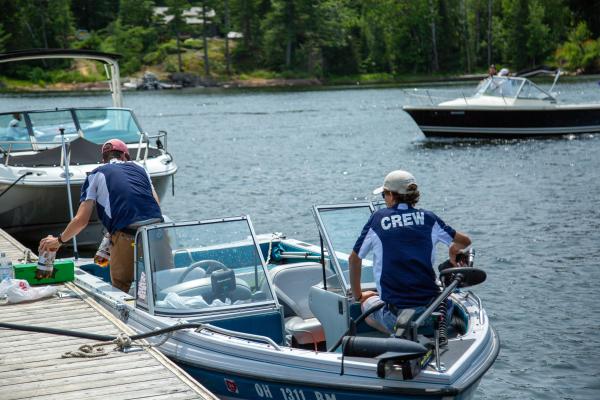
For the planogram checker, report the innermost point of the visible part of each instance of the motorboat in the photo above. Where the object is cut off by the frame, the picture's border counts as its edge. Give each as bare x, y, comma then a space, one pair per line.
506, 107
38, 147
265, 316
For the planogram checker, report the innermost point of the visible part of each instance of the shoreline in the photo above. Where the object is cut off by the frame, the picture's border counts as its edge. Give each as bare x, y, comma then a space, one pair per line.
274, 83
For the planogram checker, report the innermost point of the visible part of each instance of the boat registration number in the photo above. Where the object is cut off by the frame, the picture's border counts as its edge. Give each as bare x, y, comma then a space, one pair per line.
265, 392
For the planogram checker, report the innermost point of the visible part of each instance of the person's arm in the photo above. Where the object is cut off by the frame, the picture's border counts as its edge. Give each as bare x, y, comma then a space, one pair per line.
460, 241
77, 224
155, 195
355, 264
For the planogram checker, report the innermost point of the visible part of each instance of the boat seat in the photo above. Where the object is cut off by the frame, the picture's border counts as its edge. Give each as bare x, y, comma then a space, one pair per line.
204, 287
170, 277
292, 285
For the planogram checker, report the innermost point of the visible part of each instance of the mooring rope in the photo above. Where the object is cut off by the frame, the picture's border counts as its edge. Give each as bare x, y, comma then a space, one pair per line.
121, 342
274, 236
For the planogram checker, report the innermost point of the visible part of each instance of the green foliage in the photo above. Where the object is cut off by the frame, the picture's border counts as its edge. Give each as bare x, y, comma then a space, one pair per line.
259, 74
171, 67
154, 57
38, 75
94, 15
135, 12
132, 44
92, 42
170, 47
538, 33
580, 51
193, 43
366, 40
4, 37
43, 24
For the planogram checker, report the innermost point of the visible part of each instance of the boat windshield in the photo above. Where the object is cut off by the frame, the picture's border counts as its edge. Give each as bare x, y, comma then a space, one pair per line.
202, 267
500, 86
341, 226
13, 132
531, 91
40, 129
101, 124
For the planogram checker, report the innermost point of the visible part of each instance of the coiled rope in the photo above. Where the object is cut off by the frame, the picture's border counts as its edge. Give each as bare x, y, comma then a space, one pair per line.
121, 342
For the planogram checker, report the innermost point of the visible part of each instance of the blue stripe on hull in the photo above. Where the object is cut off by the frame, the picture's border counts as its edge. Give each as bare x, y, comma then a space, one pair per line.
236, 387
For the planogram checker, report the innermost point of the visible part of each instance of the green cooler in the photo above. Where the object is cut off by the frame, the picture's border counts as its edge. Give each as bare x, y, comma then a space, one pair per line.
64, 271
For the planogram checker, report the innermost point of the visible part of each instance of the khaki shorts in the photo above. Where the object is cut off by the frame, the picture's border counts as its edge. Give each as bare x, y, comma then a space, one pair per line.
121, 260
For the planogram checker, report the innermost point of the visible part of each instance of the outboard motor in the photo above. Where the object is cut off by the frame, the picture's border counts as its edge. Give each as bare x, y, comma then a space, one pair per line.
390, 354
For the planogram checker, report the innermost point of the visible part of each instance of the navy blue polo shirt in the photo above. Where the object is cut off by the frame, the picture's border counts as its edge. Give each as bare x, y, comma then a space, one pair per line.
403, 241
123, 194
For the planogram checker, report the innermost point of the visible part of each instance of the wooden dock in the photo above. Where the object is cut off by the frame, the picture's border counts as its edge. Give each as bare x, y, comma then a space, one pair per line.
32, 366
15, 250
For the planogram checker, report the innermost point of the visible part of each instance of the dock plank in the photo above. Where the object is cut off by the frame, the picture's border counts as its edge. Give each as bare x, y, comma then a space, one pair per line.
31, 366
164, 391
15, 250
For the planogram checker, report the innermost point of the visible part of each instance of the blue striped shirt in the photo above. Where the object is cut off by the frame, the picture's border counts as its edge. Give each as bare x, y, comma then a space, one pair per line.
123, 194
402, 240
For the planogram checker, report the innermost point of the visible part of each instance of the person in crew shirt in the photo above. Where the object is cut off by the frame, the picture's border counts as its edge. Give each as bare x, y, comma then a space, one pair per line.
124, 198
402, 239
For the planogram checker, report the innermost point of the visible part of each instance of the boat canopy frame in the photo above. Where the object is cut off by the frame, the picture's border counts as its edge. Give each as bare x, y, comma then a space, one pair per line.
110, 61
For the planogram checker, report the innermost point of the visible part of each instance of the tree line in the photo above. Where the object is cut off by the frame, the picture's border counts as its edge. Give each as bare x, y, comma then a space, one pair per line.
317, 38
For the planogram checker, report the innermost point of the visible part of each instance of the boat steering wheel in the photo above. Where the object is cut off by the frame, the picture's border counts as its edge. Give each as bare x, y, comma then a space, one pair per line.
206, 265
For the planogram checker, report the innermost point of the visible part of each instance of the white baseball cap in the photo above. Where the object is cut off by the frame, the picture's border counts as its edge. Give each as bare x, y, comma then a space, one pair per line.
397, 181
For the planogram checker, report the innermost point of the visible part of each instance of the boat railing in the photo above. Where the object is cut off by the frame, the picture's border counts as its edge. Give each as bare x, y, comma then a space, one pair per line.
144, 144
7, 146
241, 335
6, 153
431, 97
479, 305
34, 146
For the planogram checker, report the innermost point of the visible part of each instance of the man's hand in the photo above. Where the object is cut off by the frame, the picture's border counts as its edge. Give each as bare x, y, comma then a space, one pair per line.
460, 242
365, 295
49, 243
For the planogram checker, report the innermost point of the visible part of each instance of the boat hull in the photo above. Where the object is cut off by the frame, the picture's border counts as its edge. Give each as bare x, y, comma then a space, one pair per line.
30, 212
235, 372
228, 386
505, 123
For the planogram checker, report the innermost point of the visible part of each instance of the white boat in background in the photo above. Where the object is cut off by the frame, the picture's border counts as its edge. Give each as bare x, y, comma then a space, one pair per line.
33, 183
506, 107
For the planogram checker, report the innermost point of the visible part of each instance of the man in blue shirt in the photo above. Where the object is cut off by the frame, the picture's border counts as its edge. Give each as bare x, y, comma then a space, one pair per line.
124, 198
402, 240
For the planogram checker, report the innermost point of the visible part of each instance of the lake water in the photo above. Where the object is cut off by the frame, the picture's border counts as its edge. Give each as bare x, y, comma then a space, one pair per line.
532, 207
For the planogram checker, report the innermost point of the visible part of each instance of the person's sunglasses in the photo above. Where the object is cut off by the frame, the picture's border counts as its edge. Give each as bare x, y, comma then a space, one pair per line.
383, 194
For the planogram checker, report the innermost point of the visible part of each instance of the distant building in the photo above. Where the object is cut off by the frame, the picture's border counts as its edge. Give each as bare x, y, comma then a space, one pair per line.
191, 16
235, 35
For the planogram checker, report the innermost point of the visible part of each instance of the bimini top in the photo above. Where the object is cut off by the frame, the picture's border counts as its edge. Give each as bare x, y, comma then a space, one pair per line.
109, 59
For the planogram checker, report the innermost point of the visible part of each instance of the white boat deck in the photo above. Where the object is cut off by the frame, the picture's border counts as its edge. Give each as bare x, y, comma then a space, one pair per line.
32, 366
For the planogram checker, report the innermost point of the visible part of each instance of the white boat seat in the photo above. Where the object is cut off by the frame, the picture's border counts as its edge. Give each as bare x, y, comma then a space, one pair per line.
203, 287
170, 277
292, 285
